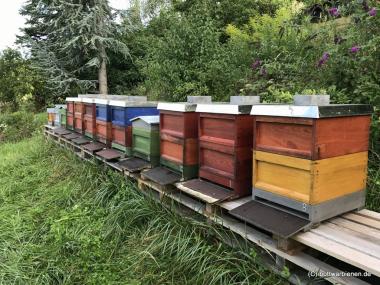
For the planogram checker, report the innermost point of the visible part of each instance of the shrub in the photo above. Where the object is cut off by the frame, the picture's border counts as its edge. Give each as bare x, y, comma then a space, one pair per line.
19, 125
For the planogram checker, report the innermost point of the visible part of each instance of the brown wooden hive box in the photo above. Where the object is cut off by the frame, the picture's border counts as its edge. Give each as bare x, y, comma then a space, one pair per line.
321, 133
89, 117
225, 146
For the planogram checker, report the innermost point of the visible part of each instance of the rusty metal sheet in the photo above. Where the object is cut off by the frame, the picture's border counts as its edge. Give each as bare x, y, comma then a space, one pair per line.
209, 189
109, 154
80, 141
134, 164
62, 131
161, 175
71, 136
270, 219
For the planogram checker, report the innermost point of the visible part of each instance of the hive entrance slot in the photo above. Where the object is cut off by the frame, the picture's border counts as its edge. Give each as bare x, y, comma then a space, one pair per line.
270, 219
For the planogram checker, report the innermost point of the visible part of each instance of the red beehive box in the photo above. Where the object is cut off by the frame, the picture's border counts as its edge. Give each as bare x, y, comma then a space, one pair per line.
78, 115
178, 142
225, 144
70, 101
89, 118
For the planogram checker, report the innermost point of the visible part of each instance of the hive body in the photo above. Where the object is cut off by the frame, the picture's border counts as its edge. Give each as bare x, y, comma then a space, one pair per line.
225, 150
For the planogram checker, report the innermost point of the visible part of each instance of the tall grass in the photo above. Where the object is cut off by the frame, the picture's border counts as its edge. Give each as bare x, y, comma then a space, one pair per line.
68, 222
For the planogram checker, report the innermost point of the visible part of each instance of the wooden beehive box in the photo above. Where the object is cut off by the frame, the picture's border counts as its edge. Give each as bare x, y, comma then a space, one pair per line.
58, 114
89, 118
312, 132
79, 115
312, 159
225, 144
179, 137
103, 121
146, 138
51, 116
122, 111
61, 114
70, 113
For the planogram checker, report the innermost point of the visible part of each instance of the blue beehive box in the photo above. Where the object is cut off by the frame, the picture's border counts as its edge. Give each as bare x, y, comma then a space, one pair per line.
123, 111
103, 110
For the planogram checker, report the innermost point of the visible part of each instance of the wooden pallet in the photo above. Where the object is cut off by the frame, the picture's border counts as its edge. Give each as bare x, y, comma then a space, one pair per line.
352, 238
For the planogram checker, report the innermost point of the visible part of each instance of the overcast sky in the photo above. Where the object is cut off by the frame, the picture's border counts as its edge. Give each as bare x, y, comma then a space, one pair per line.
11, 21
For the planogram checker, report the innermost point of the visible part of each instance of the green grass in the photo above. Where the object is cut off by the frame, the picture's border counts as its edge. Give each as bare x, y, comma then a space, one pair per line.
64, 221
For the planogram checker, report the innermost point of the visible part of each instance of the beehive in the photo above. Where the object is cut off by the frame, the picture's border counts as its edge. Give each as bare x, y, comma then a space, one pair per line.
309, 164
225, 143
79, 115
179, 136
312, 159
103, 121
70, 112
122, 111
60, 114
89, 118
146, 138
51, 116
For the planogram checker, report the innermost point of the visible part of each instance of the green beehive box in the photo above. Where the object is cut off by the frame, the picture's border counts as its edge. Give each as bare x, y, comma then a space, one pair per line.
146, 138
60, 115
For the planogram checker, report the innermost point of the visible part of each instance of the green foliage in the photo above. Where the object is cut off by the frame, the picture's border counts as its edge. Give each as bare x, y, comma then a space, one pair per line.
186, 57
20, 125
291, 55
20, 85
69, 222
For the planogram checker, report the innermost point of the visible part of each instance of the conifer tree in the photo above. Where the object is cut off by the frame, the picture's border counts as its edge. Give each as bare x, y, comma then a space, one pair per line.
69, 40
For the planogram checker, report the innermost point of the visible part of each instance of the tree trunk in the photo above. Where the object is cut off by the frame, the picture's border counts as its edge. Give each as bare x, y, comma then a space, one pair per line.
102, 75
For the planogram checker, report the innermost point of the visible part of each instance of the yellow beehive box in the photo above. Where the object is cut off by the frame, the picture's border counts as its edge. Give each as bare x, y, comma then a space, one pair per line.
309, 182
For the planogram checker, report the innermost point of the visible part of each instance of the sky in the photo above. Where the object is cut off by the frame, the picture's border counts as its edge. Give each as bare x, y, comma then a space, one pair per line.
11, 21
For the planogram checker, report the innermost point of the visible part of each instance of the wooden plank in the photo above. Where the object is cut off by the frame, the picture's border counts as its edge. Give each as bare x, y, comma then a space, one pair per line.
369, 214
300, 259
229, 205
365, 230
363, 220
350, 238
344, 253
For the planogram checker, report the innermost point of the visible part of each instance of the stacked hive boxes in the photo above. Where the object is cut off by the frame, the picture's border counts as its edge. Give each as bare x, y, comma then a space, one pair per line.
103, 121
70, 112
61, 115
79, 115
311, 160
146, 139
179, 136
89, 118
121, 114
51, 116
225, 145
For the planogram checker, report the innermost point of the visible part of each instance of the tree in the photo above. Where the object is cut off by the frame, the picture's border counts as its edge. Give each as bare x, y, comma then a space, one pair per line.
19, 83
69, 41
